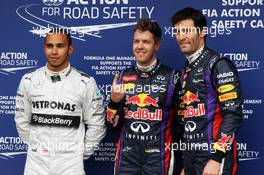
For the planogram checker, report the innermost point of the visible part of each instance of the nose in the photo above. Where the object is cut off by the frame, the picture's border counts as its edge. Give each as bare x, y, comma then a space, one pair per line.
54, 50
140, 45
181, 36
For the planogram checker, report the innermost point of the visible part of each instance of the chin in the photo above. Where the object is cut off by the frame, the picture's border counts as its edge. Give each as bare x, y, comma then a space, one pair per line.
141, 60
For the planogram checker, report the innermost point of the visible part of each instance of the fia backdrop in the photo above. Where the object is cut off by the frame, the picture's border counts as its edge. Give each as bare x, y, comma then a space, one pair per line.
102, 33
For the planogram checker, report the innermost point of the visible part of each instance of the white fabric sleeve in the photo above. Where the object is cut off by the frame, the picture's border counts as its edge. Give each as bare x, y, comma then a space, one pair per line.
23, 111
94, 118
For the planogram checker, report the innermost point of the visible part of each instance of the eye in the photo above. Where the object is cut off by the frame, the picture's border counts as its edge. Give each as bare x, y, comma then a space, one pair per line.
146, 41
61, 45
136, 41
49, 46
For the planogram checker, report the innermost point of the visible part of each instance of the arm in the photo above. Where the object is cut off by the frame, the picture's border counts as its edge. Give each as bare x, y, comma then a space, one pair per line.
94, 118
23, 110
228, 92
178, 122
177, 126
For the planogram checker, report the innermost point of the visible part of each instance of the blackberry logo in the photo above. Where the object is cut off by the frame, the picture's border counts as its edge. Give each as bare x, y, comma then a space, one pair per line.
52, 2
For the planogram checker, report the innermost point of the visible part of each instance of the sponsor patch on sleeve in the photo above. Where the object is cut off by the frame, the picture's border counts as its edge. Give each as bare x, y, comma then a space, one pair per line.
226, 88
228, 96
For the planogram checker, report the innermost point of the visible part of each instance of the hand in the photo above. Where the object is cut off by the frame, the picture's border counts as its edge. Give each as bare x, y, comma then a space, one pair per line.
117, 91
115, 120
182, 172
212, 168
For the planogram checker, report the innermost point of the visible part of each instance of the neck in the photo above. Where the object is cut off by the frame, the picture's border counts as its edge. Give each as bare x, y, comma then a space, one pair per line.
191, 58
149, 67
57, 69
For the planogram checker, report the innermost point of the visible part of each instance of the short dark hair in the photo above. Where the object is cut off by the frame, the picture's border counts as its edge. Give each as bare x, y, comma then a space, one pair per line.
197, 16
145, 24
61, 31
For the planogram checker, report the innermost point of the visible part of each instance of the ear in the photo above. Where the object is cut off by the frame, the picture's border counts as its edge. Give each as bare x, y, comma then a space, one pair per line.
203, 32
157, 45
71, 49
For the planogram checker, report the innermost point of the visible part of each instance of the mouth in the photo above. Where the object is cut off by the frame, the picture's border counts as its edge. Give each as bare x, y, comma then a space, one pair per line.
54, 58
140, 53
185, 44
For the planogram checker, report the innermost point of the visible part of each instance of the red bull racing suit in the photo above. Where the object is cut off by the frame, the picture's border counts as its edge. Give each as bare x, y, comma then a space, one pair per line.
211, 99
146, 115
61, 118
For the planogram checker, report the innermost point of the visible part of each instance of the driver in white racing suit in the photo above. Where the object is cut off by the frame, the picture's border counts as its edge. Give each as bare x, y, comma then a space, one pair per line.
59, 113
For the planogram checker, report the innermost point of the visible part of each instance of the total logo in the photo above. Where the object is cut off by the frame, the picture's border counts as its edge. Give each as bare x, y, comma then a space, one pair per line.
142, 100
140, 127
190, 97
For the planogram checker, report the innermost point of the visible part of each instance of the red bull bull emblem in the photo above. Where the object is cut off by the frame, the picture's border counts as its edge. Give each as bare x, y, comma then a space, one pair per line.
142, 100
190, 97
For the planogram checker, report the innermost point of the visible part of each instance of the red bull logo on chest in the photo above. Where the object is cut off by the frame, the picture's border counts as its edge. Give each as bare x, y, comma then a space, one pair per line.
190, 97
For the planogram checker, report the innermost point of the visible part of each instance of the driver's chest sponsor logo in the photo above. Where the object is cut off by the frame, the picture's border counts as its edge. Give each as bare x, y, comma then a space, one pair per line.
144, 114
54, 105
189, 98
190, 126
140, 127
140, 131
55, 120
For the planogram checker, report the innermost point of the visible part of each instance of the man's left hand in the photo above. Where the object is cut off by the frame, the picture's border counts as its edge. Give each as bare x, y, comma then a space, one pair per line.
212, 168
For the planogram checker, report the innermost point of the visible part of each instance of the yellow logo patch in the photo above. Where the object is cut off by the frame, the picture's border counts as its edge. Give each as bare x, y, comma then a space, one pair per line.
228, 96
226, 88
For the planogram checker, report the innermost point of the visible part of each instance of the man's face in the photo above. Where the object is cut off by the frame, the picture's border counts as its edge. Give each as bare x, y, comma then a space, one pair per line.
144, 47
57, 51
188, 37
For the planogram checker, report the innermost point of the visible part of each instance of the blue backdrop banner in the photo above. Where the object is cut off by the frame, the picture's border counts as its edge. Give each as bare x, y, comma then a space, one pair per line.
102, 33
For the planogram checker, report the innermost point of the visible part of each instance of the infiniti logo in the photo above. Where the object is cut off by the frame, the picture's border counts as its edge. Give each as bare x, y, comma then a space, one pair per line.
200, 69
140, 126
190, 126
161, 77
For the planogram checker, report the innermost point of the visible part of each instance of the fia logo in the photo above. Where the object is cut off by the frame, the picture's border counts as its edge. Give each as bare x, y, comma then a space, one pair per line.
52, 2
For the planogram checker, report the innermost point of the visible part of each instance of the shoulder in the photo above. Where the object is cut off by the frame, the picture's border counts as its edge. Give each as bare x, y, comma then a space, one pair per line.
33, 74
82, 77
168, 70
224, 64
172, 75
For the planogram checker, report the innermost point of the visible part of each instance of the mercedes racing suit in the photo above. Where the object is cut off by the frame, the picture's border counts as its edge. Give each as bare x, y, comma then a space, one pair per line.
212, 112
146, 115
61, 118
